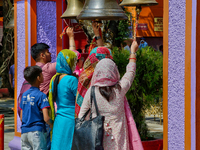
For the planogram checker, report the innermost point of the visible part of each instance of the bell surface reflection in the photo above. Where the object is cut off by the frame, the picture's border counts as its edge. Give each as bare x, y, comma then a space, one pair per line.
102, 10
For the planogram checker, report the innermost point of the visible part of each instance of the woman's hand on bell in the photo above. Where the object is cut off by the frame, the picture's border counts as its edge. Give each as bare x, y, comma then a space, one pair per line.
70, 32
95, 26
134, 47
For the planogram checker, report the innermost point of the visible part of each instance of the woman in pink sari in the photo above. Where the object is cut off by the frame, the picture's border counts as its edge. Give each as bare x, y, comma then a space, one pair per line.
110, 94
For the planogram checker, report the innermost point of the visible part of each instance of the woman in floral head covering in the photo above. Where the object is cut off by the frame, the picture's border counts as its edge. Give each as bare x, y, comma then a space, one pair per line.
64, 95
85, 77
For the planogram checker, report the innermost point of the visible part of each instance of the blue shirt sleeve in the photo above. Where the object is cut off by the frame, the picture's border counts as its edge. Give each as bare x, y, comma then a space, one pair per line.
43, 102
10, 70
74, 86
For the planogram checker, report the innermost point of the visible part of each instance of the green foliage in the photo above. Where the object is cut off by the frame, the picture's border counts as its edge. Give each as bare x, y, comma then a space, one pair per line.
123, 31
121, 59
147, 85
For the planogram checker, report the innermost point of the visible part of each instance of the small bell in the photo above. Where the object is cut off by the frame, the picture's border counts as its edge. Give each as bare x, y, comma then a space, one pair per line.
73, 9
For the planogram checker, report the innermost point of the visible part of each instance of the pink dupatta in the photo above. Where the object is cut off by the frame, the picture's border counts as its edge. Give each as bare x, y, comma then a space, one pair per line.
134, 137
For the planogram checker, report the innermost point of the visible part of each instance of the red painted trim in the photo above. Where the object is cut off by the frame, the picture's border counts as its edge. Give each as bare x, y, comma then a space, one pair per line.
1, 131
26, 33
59, 25
33, 26
198, 77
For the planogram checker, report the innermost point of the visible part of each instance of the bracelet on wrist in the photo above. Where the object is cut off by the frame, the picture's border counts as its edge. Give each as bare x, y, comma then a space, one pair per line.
134, 53
97, 37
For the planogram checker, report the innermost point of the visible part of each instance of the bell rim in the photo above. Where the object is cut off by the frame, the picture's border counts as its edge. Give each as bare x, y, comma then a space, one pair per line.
98, 18
139, 4
73, 14
69, 17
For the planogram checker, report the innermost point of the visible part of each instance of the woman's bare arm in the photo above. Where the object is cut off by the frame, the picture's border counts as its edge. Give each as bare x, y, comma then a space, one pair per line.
70, 33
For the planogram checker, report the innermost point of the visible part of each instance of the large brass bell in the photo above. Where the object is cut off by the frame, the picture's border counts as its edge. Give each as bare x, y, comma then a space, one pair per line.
11, 22
138, 3
73, 9
102, 10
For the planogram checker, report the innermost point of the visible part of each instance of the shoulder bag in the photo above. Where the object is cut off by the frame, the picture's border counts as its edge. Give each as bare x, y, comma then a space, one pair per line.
88, 134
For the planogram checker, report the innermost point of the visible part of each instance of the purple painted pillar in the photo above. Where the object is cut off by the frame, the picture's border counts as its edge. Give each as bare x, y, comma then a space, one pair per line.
176, 75
46, 33
177, 69
46, 25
